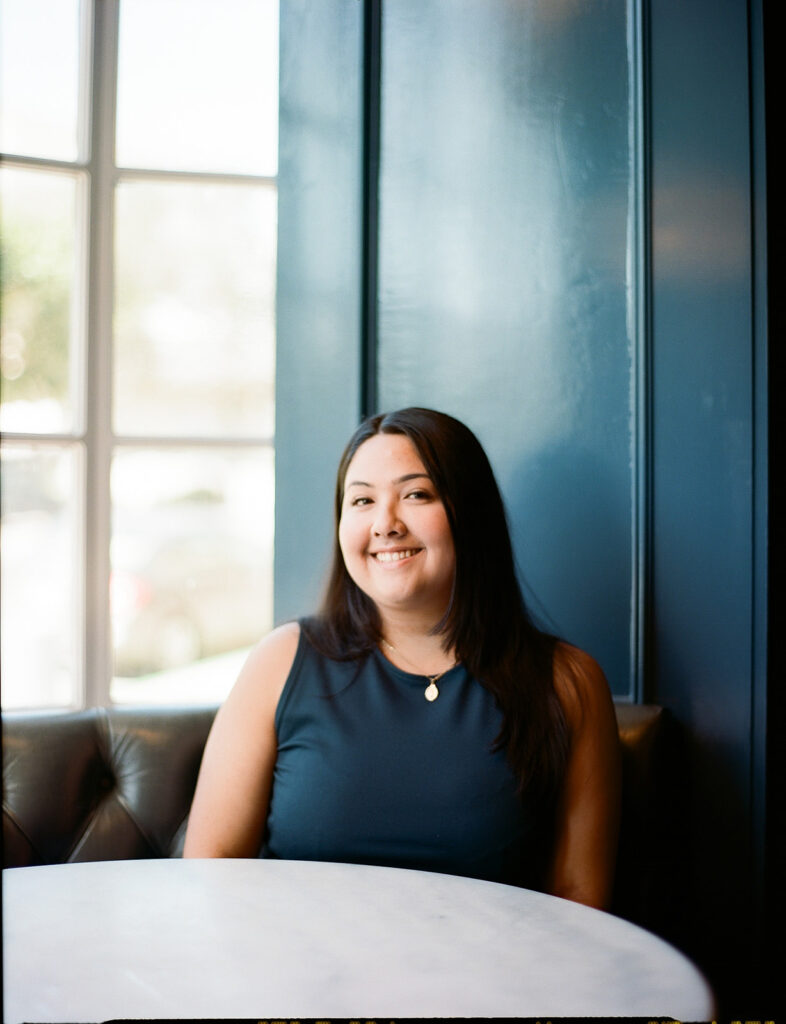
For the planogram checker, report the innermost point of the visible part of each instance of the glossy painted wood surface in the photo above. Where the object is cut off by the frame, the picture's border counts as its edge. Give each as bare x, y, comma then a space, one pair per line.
706, 456
504, 278
318, 351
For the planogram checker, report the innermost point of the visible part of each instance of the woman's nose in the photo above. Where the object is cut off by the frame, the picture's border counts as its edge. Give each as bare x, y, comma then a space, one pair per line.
387, 522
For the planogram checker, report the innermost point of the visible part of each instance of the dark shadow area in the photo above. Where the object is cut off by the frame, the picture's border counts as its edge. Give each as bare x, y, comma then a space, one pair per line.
773, 896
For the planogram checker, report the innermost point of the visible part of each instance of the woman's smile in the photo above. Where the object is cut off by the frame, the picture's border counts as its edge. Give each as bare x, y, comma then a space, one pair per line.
388, 557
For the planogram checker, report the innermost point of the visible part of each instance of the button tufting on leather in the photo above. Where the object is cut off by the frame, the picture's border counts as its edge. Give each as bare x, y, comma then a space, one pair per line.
99, 784
106, 782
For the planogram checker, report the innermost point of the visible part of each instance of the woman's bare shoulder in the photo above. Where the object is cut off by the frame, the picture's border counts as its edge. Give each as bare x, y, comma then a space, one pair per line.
267, 668
228, 813
280, 643
580, 683
586, 824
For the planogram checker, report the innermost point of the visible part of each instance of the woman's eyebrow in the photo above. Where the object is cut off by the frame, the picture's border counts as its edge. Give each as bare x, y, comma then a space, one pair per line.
398, 480
412, 476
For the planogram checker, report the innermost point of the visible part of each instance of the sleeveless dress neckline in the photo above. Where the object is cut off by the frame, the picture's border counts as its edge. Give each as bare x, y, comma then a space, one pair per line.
413, 678
369, 772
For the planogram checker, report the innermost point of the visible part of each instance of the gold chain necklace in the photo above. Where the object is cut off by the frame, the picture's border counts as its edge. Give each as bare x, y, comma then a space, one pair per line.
431, 692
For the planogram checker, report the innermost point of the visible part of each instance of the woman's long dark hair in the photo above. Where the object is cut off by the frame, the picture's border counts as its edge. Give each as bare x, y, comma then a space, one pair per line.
487, 623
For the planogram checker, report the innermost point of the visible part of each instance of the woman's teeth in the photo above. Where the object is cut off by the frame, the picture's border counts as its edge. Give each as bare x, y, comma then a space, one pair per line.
394, 556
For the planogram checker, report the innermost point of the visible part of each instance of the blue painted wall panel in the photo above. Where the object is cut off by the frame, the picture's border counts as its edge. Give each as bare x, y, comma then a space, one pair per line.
504, 298
319, 284
703, 445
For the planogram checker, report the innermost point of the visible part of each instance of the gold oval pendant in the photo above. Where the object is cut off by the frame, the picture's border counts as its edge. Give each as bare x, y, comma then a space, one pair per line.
431, 692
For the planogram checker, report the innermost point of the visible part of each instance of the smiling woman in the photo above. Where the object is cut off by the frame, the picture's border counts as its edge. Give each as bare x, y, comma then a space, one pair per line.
394, 532
326, 749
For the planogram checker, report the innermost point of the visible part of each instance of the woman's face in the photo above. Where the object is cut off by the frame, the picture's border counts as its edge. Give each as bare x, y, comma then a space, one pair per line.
394, 532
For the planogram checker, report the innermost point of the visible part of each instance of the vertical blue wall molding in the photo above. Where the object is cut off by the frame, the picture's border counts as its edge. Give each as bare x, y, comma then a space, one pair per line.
640, 248
761, 797
372, 57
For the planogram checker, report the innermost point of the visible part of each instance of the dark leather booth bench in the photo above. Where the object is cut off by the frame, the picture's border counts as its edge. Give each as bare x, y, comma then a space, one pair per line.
117, 784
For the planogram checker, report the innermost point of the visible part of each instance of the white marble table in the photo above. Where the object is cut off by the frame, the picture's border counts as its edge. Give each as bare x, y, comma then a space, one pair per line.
287, 939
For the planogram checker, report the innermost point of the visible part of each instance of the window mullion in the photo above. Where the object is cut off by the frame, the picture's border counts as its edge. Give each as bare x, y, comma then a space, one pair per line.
98, 377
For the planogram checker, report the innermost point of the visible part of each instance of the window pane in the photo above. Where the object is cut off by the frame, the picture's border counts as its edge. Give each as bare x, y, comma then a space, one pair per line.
39, 273
41, 555
194, 313
191, 584
199, 90
39, 77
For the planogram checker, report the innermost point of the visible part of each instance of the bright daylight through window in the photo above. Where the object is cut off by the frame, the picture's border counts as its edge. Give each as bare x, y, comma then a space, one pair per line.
138, 187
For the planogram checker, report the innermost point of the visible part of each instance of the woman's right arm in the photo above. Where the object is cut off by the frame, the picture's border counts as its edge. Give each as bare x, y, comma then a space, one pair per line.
232, 795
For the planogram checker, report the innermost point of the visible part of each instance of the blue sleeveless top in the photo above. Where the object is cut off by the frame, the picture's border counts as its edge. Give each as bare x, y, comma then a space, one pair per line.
368, 771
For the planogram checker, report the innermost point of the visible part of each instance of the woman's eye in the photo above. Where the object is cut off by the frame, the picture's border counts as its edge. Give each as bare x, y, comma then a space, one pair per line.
356, 502
419, 494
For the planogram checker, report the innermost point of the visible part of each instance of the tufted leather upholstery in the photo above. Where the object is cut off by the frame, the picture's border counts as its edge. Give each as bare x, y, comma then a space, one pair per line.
99, 784
117, 784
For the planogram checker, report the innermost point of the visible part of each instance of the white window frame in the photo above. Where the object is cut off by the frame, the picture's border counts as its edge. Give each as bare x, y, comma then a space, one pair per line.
92, 332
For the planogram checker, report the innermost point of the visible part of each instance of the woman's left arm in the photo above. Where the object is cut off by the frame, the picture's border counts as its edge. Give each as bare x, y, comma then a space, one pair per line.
588, 809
